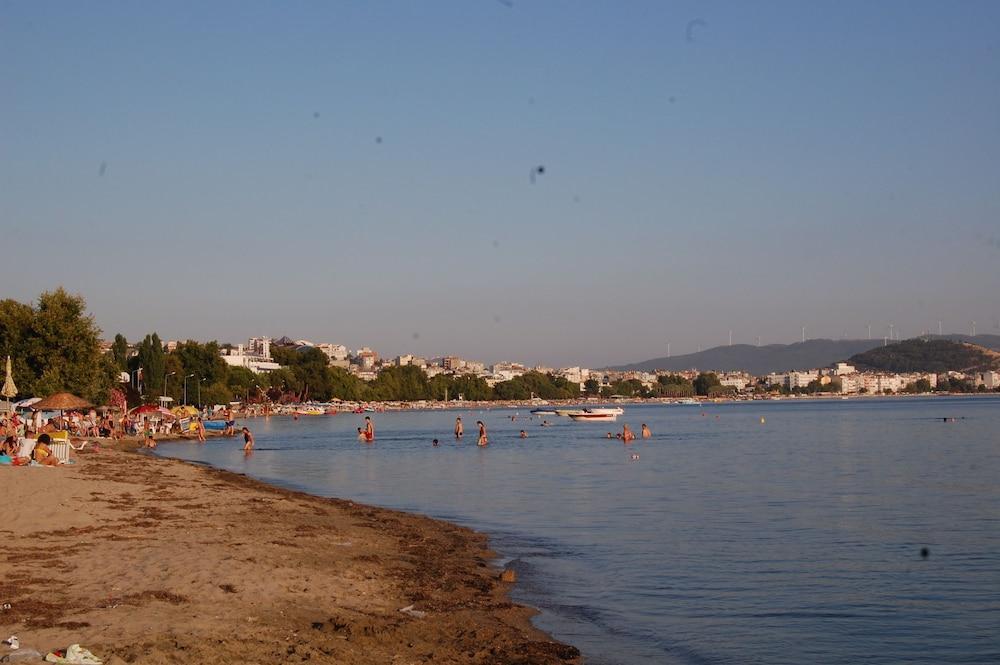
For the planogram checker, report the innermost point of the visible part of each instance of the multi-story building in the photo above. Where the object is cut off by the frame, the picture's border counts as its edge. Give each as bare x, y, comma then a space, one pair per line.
738, 380
335, 352
238, 357
990, 380
259, 346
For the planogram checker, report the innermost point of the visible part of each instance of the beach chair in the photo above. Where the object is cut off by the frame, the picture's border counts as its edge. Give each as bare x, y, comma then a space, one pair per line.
60, 450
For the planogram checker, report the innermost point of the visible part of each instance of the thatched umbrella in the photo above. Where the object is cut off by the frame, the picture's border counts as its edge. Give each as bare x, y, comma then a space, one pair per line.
9, 390
61, 402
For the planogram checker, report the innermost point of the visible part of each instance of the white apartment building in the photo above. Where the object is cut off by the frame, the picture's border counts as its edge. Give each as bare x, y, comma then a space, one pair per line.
841, 369
738, 380
801, 379
989, 380
259, 346
239, 357
334, 351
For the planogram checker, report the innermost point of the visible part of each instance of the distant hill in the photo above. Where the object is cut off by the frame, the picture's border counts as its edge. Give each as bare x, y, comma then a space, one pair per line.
930, 355
759, 360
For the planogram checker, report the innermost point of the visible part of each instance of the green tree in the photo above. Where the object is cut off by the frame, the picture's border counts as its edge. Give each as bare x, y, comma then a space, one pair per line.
62, 349
152, 360
704, 381
592, 387
346, 386
400, 383
119, 352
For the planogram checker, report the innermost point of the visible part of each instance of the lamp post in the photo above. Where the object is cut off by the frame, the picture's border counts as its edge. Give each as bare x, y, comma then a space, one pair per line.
201, 381
186, 388
165, 375
135, 377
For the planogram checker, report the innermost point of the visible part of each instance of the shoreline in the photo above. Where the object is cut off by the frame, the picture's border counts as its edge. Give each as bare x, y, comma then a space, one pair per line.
147, 559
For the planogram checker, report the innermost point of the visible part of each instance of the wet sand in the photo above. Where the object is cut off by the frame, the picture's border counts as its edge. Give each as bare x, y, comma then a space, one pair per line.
148, 560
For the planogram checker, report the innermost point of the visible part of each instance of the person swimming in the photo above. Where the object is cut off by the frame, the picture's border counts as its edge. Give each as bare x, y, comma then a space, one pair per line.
524, 435
646, 433
434, 442
361, 435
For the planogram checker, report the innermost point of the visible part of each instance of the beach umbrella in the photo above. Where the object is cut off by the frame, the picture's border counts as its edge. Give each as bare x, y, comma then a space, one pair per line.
9, 389
184, 411
150, 410
26, 403
61, 402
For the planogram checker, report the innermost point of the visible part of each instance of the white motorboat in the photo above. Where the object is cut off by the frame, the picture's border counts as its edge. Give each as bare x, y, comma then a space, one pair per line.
597, 415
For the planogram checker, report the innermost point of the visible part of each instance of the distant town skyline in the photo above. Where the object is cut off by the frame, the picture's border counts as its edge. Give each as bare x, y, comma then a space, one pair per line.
561, 183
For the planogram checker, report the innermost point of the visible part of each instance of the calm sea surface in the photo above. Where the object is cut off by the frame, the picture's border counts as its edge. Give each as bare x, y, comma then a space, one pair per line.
797, 540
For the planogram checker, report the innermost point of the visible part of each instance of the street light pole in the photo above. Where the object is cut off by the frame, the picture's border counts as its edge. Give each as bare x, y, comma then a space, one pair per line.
186, 388
200, 381
165, 375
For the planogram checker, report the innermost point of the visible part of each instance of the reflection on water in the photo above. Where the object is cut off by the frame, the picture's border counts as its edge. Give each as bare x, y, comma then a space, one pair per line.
728, 541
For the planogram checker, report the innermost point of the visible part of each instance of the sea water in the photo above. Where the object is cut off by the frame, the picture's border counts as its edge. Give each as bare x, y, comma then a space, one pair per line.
861, 531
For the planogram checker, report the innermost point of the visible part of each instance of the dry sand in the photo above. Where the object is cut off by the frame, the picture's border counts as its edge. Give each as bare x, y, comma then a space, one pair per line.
148, 560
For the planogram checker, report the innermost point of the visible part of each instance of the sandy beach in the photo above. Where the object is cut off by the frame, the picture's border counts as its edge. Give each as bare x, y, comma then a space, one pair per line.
147, 560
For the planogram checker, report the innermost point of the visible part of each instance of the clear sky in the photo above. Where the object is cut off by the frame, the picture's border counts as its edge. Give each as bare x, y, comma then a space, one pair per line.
359, 172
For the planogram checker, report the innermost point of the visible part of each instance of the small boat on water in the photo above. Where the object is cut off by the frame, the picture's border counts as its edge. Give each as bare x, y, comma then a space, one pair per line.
309, 412
543, 412
591, 417
597, 415
687, 401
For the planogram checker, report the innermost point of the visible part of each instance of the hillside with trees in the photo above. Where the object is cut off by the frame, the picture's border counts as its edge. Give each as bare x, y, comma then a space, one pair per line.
934, 355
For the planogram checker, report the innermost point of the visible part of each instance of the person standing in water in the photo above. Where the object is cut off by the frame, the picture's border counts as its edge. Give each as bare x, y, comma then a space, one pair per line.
201, 430
459, 428
628, 436
645, 431
247, 440
369, 429
483, 440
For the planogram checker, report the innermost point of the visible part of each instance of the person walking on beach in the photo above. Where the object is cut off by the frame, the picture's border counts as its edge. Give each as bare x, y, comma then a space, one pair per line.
459, 428
247, 440
483, 439
645, 431
201, 430
369, 429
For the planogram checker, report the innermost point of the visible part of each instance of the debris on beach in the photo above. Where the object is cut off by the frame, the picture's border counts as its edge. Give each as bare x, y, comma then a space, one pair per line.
412, 612
74, 654
509, 575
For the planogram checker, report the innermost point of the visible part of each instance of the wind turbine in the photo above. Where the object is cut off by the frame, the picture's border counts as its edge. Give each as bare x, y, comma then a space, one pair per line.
869, 331
730, 338
939, 327
973, 328
803, 334
891, 326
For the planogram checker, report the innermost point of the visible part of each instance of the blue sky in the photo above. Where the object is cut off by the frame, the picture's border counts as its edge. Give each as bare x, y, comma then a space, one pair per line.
358, 172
